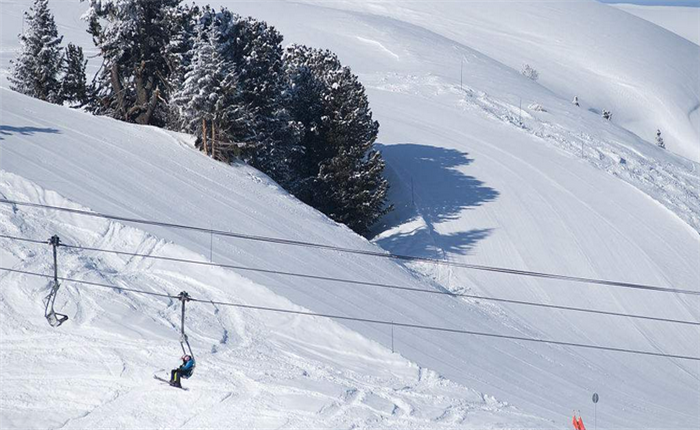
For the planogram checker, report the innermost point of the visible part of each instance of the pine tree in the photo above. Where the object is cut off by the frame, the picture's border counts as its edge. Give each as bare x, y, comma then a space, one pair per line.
254, 50
35, 72
659, 139
73, 83
208, 101
341, 172
134, 83
183, 24
529, 72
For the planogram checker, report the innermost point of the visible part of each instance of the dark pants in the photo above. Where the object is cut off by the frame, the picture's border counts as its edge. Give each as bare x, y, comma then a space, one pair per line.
175, 376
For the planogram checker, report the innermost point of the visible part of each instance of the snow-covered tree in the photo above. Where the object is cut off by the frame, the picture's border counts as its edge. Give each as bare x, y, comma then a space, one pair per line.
659, 139
183, 25
134, 38
341, 173
73, 83
529, 72
36, 71
208, 101
254, 49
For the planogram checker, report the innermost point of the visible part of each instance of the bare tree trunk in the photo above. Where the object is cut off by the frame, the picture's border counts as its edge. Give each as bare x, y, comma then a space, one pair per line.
145, 118
118, 90
213, 140
141, 94
204, 136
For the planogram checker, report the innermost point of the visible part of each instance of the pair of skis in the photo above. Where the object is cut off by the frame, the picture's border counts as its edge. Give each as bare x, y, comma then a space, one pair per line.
168, 382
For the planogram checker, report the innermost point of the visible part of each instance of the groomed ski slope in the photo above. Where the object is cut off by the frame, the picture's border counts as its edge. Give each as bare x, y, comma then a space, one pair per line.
484, 191
255, 370
647, 76
684, 21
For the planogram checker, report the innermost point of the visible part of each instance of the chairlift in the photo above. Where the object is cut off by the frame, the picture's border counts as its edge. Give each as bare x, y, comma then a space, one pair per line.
54, 318
184, 341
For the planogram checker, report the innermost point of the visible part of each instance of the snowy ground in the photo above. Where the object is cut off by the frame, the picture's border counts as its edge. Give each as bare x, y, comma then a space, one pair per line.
96, 370
684, 21
475, 179
647, 76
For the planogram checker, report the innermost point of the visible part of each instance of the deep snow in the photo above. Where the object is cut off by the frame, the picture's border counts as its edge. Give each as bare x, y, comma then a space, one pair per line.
475, 180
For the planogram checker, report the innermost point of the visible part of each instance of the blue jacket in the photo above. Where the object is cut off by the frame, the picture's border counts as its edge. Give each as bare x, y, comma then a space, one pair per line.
187, 368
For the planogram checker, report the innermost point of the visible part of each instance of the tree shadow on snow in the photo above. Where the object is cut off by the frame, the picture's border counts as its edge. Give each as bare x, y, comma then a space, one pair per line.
9, 130
428, 187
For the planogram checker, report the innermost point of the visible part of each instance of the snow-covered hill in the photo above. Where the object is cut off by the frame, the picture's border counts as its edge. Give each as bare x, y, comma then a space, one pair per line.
475, 179
256, 370
648, 77
682, 20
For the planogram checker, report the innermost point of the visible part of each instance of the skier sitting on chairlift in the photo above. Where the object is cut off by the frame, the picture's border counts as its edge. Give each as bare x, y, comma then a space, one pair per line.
184, 371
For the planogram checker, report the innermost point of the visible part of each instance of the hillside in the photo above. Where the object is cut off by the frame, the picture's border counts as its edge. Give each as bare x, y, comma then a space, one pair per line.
475, 179
647, 76
255, 368
684, 21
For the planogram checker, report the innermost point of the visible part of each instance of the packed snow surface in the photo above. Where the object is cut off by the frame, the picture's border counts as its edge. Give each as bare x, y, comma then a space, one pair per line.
648, 77
682, 20
499, 170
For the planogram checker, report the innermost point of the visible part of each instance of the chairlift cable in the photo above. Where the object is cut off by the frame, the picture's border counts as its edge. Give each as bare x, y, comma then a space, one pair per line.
291, 242
381, 322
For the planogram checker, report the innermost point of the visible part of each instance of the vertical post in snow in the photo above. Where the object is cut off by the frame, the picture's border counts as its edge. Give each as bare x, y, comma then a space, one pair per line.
595, 410
413, 199
392, 337
520, 112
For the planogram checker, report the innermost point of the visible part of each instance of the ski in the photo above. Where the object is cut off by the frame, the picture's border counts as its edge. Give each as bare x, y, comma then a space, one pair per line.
168, 382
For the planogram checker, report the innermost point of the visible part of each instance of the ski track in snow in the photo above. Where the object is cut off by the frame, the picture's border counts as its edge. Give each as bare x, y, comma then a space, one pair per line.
264, 371
675, 186
261, 367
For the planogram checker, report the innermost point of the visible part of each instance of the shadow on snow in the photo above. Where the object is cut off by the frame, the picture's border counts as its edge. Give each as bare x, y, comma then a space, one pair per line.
428, 183
9, 130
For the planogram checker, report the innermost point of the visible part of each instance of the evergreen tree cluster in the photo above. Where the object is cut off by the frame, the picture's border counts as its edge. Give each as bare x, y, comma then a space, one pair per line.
296, 114
43, 69
134, 38
246, 113
339, 174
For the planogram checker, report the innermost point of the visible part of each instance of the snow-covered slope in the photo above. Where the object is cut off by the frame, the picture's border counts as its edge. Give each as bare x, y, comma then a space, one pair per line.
471, 184
682, 20
648, 77
256, 370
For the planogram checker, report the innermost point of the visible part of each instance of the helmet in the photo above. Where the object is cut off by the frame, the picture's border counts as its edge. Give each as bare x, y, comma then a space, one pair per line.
186, 358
